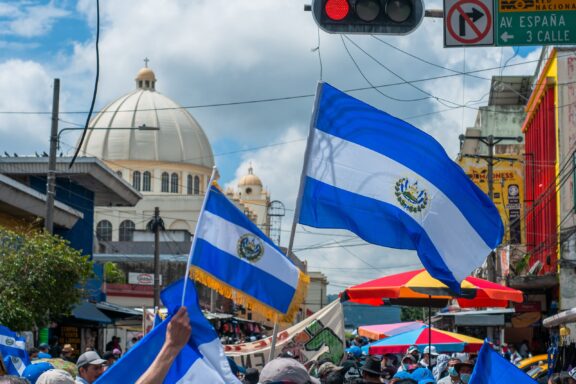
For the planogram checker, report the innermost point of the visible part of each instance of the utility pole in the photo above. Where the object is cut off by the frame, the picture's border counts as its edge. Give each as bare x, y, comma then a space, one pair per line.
155, 225
51, 177
490, 159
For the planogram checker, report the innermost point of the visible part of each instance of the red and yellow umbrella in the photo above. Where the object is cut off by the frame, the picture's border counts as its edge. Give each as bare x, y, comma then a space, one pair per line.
418, 288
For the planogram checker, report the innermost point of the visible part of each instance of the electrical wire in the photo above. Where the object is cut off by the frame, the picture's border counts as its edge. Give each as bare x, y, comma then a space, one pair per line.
95, 85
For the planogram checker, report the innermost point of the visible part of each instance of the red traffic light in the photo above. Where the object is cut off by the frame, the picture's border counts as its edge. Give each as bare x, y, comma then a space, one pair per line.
337, 9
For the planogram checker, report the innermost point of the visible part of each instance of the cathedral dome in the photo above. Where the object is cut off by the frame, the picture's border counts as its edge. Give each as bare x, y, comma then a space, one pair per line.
250, 179
146, 125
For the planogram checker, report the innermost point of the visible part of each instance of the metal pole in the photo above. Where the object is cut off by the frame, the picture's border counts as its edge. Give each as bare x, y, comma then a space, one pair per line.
491, 263
430, 332
156, 257
51, 177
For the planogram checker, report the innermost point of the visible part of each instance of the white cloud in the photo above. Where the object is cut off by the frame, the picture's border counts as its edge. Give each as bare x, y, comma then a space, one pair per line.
31, 20
217, 51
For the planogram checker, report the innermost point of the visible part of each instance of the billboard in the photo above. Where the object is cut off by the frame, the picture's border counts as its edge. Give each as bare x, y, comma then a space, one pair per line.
508, 187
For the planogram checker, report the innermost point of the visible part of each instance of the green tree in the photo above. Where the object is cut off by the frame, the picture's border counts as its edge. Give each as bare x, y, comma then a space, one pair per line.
113, 274
410, 314
41, 278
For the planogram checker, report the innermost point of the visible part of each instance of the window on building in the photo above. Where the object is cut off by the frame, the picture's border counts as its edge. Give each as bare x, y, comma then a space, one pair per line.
119, 173
136, 180
104, 230
196, 185
126, 231
174, 183
189, 185
165, 182
146, 181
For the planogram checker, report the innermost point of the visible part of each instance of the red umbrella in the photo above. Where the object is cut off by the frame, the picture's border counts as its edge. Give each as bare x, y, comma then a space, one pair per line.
418, 288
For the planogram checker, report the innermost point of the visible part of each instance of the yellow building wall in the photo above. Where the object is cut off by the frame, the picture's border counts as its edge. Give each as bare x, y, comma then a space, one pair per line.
508, 187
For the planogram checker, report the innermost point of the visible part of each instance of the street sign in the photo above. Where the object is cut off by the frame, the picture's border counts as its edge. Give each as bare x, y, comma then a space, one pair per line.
468, 23
535, 22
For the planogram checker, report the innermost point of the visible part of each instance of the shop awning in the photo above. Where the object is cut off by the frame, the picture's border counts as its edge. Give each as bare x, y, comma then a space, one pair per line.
564, 317
116, 311
89, 312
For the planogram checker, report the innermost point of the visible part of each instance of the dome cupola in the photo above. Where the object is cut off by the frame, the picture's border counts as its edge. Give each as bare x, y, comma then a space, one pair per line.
146, 125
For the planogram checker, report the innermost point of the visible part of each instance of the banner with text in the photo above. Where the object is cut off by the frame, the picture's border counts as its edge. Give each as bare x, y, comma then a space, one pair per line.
319, 336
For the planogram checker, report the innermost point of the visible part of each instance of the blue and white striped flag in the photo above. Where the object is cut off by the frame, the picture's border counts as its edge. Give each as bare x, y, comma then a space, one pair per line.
234, 257
394, 185
201, 361
13, 351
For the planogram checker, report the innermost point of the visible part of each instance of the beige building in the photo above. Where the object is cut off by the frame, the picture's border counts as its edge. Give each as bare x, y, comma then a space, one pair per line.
161, 150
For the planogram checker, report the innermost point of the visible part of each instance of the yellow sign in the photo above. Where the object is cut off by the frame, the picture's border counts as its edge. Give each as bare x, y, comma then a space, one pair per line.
536, 5
508, 190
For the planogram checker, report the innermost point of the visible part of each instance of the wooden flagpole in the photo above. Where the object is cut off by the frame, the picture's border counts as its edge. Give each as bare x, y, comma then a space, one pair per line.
299, 201
193, 247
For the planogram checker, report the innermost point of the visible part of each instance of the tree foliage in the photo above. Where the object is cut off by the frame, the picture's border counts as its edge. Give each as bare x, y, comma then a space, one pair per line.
41, 278
113, 274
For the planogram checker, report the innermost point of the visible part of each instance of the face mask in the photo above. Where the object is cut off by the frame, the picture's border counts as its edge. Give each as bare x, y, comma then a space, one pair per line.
405, 366
465, 377
433, 361
452, 371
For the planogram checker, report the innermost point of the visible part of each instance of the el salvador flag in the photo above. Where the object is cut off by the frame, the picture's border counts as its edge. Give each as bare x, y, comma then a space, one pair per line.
394, 185
491, 368
201, 361
13, 351
234, 257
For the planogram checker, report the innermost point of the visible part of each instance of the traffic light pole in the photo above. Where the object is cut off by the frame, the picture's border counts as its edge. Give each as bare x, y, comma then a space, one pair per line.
491, 141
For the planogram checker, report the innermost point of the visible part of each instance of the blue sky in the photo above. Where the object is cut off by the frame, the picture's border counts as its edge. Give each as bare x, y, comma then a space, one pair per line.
217, 51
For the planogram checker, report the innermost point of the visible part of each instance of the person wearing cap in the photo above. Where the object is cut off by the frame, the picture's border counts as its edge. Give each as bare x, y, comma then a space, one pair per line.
464, 371
110, 358
286, 369
413, 350
371, 370
408, 363
326, 368
90, 367
55, 376
429, 357
453, 377
66, 354
44, 353
33, 371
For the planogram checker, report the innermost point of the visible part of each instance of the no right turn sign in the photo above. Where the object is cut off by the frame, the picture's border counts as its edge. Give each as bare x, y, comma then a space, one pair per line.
468, 23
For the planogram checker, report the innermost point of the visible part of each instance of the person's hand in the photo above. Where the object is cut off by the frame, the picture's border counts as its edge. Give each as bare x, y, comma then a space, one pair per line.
179, 330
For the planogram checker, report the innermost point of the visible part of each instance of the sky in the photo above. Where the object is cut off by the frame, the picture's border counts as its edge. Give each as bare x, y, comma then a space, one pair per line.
263, 58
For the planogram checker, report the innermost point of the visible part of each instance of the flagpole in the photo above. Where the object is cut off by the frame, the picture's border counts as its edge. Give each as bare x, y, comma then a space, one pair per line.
299, 198
305, 166
193, 247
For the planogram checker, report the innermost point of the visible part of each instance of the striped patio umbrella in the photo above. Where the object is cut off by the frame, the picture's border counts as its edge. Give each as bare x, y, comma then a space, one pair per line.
418, 288
381, 331
443, 341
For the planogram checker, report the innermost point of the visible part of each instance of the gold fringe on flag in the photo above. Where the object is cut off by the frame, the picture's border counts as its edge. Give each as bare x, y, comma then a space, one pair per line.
250, 302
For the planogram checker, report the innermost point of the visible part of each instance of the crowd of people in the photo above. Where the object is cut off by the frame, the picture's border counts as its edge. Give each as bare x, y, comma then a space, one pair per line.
411, 367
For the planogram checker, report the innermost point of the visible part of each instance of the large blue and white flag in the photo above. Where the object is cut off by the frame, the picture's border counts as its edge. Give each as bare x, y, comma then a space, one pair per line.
394, 185
492, 368
201, 361
13, 351
234, 257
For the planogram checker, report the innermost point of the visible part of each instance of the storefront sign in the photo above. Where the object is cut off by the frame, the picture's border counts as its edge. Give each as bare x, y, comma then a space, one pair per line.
142, 278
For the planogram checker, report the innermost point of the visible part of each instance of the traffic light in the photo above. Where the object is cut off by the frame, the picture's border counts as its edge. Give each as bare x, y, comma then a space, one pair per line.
392, 17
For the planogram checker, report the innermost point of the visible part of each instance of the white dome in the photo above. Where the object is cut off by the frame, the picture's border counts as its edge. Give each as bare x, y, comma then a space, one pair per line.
167, 133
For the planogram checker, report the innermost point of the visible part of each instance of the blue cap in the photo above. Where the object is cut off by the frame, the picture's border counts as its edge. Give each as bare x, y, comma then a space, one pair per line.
33, 371
423, 376
354, 351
